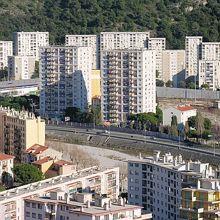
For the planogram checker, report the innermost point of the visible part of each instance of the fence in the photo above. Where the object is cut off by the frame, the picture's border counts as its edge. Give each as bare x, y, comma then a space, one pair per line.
164, 92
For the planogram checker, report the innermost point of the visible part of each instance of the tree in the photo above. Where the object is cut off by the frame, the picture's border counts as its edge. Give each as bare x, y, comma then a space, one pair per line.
74, 113
205, 86
27, 173
159, 114
159, 83
169, 83
199, 124
173, 128
4, 74
36, 70
182, 84
186, 129
207, 124
7, 179
192, 121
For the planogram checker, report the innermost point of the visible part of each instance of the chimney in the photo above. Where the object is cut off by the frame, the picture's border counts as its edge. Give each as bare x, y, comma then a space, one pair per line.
124, 202
120, 201
106, 207
198, 184
156, 155
110, 204
88, 204
140, 156
67, 199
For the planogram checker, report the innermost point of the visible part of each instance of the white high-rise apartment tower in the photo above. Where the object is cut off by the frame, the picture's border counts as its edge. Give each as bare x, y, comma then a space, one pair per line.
65, 73
86, 41
173, 63
6, 49
209, 73
193, 54
210, 51
28, 43
20, 67
209, 65
123, 40
128, 83
157, 44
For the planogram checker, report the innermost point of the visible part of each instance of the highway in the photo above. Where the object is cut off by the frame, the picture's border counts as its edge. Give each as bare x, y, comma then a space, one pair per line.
131, 137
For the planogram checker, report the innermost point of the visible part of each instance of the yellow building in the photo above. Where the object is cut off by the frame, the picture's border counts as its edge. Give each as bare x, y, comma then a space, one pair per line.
19, 131
203, 202
96, 83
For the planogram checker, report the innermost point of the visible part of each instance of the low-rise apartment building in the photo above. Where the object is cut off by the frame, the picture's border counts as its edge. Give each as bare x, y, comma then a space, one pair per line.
6, 164
128, 83
60, 205
90, 180
16, 129
28, 43
37, 152
66, 79
21, 67
6, 49
156, 183
182, 112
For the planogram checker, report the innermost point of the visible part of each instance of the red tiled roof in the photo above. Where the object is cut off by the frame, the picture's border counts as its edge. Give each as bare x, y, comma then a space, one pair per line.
183, 108
6, 157
42, 161
36, 149
62, 163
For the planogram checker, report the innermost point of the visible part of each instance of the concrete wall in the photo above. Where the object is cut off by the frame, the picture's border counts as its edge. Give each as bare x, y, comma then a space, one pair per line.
164, 92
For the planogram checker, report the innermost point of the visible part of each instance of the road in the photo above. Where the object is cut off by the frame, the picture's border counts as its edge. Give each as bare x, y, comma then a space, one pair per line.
132, 137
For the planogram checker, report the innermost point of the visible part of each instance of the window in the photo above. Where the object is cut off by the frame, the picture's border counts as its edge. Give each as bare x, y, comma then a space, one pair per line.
97, 218
27, 214
39, 216
34, 205
33, 215
39, 206
106, 217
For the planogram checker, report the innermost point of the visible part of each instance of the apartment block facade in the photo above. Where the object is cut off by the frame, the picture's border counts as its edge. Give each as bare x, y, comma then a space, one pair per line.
209, 73
60, 205
156, 183
6, 49
28, 43
65, 74
173, 66
193, 54
16, 129
127, 83
90, 180
210, 51
123, 40
20, 67
86, 41
201, 202
157, 44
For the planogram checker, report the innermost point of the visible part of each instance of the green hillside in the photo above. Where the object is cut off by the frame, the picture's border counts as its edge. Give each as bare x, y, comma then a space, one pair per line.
172, 19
